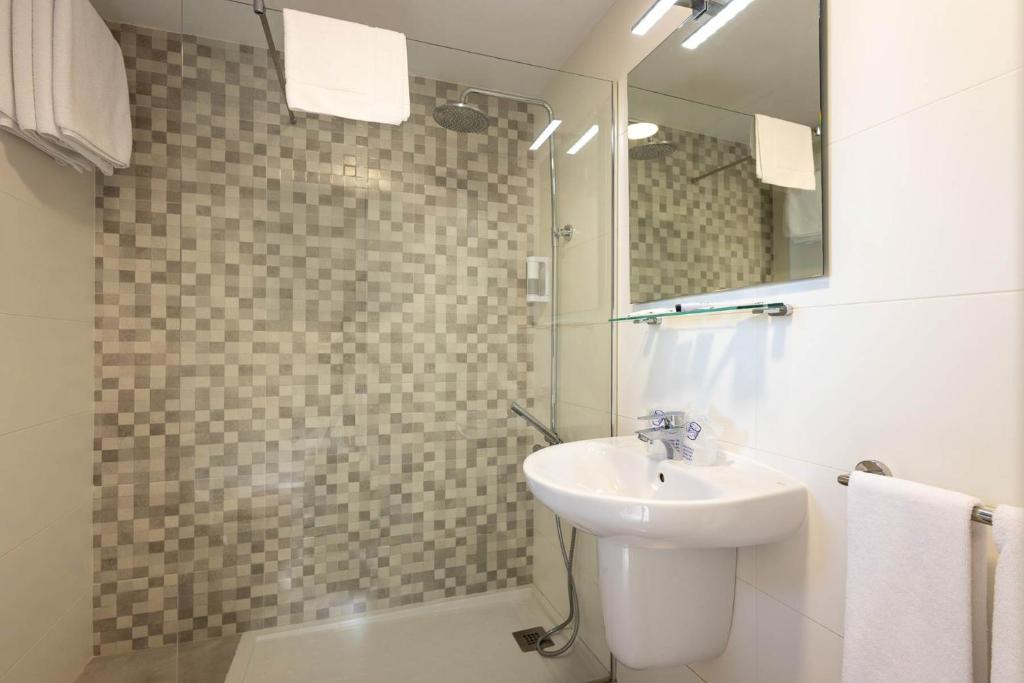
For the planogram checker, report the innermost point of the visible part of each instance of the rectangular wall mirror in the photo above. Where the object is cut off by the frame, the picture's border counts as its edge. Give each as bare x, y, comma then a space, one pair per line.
727, 168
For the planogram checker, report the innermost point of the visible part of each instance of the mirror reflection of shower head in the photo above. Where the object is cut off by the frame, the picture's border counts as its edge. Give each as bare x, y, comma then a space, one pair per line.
649, 151
461, 118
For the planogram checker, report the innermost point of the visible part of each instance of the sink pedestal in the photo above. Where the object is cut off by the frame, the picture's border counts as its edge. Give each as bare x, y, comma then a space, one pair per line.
665, 607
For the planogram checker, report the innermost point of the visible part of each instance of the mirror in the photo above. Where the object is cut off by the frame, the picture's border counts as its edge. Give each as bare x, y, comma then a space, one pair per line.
726, 166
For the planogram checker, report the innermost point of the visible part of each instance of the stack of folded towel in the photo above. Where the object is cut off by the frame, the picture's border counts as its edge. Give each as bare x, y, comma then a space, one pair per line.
63, 85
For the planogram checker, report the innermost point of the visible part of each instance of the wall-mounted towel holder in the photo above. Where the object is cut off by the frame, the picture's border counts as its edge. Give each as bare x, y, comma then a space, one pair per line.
260, 8
980, 513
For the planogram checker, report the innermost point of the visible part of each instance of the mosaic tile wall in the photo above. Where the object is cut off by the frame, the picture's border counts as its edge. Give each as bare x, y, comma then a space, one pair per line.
307, 338
693, 238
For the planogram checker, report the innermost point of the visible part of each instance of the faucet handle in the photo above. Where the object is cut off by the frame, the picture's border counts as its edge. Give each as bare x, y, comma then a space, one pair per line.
665, 419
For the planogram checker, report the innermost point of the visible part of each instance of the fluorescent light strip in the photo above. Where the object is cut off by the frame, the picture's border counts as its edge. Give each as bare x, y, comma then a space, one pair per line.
652, 16
584, 139
716, 22
545, 134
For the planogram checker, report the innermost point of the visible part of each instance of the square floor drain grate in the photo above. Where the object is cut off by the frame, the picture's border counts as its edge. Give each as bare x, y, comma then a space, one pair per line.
528, 638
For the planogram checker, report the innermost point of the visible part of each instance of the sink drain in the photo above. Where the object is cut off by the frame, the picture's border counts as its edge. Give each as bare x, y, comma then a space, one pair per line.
528, 638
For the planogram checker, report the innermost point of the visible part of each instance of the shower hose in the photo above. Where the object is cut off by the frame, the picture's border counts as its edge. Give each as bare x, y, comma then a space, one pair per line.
574, 600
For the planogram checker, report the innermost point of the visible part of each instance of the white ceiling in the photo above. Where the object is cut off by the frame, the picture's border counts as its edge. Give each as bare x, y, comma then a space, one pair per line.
540, 32
764, 61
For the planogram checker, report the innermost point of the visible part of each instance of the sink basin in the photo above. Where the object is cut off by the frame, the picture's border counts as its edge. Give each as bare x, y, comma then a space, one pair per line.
667, 534
612, 488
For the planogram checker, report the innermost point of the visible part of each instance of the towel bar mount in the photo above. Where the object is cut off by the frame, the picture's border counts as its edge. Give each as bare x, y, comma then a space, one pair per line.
980, 513
260, 8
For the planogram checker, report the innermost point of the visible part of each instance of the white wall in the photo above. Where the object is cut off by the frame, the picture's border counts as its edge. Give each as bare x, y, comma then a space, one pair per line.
908, 352
46, 289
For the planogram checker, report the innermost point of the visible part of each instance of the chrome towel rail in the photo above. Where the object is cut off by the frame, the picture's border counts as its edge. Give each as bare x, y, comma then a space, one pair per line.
980, 513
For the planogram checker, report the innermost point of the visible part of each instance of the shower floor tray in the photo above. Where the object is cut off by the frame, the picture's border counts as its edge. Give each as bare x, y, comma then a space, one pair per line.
460, 640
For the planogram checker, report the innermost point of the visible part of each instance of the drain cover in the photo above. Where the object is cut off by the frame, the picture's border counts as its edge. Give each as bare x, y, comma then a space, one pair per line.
528, 638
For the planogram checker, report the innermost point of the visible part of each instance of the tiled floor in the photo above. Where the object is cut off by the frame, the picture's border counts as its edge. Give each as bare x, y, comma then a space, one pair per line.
459, 641
204, 662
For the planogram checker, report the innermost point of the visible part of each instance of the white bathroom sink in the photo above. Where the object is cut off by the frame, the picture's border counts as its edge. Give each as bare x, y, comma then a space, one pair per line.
667, 534
613, 489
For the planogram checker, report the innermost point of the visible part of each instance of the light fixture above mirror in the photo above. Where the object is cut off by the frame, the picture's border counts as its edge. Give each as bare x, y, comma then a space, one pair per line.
718, 18
707, 16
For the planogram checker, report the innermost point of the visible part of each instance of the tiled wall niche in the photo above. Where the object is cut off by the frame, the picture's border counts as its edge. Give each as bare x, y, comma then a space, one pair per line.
307, 338
691, 237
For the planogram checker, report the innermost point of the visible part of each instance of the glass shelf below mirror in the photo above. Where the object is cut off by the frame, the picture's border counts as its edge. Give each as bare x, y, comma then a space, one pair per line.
772, 308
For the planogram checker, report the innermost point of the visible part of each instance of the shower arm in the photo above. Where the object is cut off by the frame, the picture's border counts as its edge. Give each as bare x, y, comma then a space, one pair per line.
507, 96
554, 232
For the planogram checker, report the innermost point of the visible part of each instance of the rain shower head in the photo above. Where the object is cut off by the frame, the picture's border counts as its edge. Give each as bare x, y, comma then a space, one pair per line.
647, 151
461, 118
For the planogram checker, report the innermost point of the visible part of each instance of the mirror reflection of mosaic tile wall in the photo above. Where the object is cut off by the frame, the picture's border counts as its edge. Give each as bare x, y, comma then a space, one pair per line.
307, 339
693, 238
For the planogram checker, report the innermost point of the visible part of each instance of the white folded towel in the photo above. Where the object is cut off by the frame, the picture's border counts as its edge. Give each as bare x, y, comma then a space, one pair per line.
7, 120
345, 69
42, 90
1008, 606
797, 213
915, 589
21, 64
90, 86
783, 153
23, 76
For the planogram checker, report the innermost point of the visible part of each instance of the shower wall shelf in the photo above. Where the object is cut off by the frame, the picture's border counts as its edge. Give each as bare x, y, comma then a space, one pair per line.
771, 308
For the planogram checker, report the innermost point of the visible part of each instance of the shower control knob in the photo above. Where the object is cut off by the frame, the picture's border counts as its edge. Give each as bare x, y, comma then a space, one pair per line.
565, 232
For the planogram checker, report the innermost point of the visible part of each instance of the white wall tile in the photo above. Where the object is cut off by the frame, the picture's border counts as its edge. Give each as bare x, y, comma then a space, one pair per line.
44, 470
584, 365
931, 387
883, 64
63, 651
578, 422
46, 286
738, 663
712, 366
793, 649
807, 570
45, 370
46, 260
40, 580
30, 175
746, 564
930, 204
585, 279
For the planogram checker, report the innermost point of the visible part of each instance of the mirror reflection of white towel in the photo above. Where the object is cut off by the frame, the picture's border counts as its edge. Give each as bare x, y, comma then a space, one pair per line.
784, 153
798, 212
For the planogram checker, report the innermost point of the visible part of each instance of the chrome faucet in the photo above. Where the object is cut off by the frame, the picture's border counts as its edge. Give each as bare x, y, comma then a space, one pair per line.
666, 428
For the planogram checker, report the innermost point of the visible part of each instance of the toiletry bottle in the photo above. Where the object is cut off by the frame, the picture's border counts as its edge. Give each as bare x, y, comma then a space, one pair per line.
698, 445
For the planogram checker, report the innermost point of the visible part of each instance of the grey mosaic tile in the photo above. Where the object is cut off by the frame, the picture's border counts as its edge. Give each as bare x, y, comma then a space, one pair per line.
307, 338
693, 238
